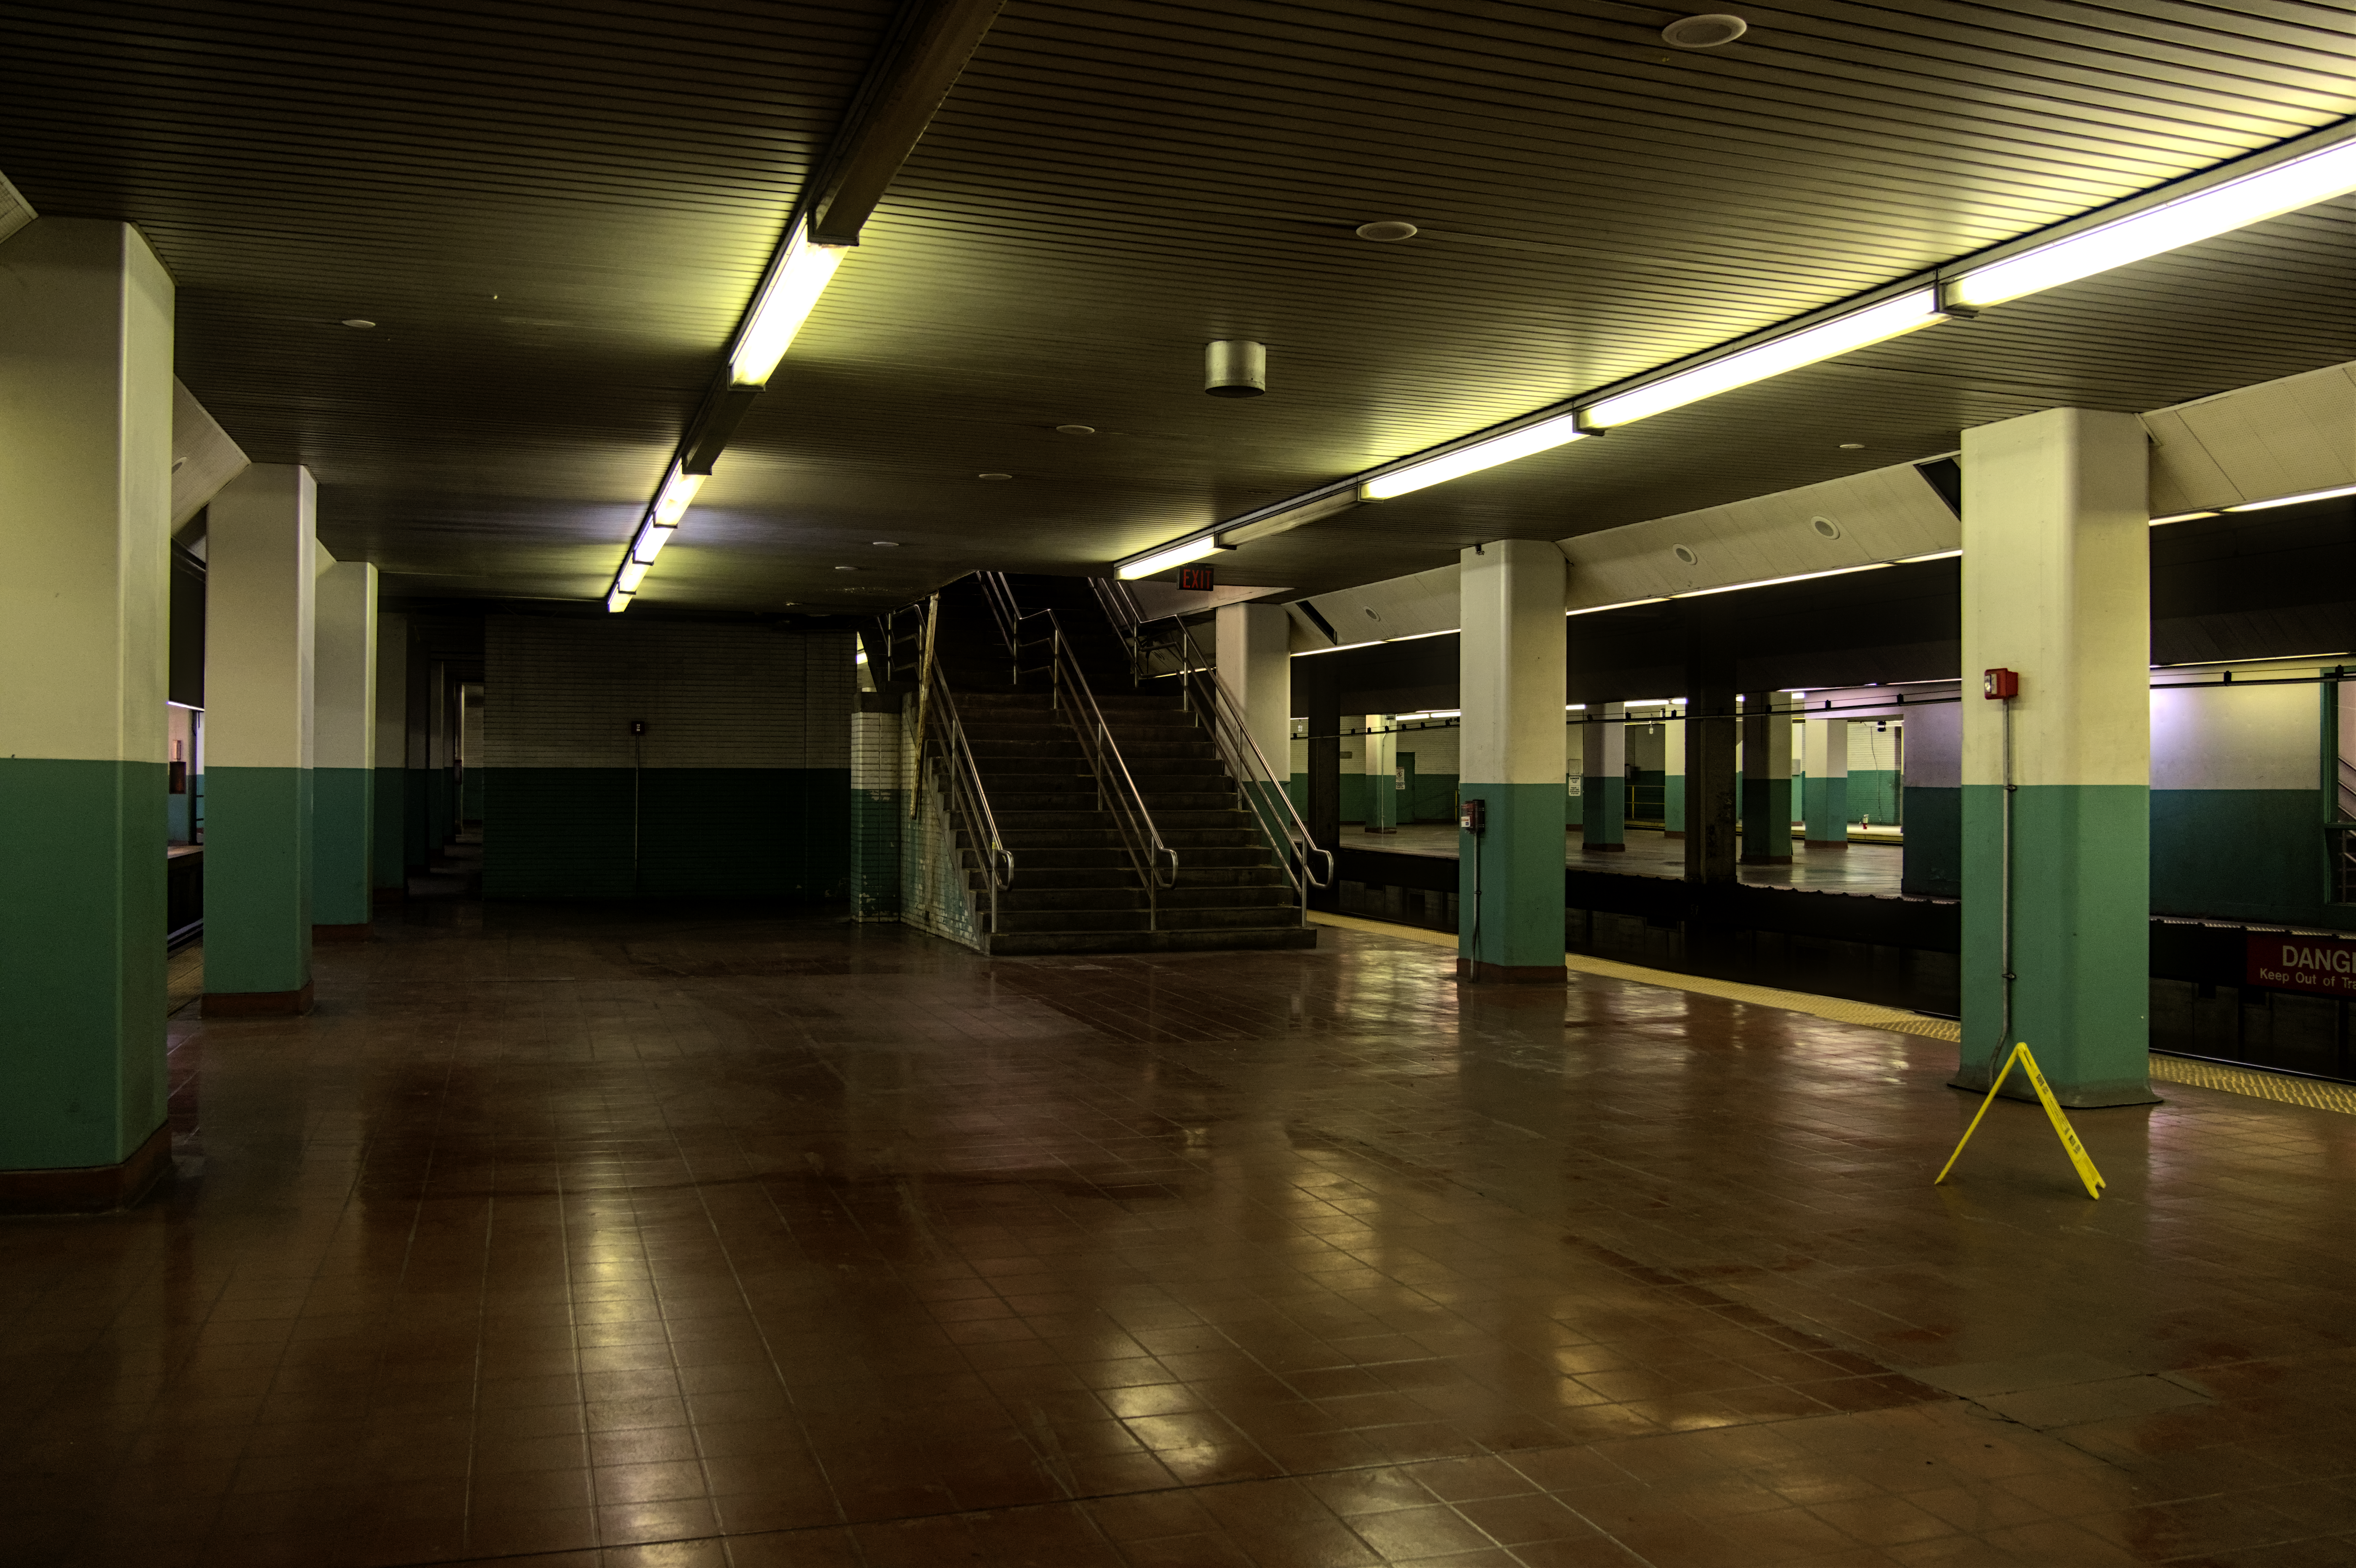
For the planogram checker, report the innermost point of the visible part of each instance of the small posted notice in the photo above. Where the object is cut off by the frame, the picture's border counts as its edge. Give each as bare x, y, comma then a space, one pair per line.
2321, 964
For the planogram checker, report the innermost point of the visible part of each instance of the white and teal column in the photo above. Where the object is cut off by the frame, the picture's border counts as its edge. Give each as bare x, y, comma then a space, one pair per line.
1824, 784
343, 774
259, 679
86, 466
1378, 755
1510, 877
388, 876
2057, 587
1767, 779
1673, 772
1604, 779
1255, 666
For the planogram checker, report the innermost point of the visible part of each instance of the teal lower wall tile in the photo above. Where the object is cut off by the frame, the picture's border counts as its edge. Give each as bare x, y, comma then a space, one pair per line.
470, 795
1602, 809
258, 879
1824, 803
343, 825
417, 843
83, 1078
568, 833
2243, 854
1766, 813
1932, 863
387, 844
1874, 795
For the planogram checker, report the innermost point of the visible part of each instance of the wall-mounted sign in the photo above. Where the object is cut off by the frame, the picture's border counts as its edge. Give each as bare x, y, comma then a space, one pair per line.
2319, 965
1195, 579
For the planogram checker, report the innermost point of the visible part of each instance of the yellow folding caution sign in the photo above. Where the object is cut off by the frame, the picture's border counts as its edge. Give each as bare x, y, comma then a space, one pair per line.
2068, 1134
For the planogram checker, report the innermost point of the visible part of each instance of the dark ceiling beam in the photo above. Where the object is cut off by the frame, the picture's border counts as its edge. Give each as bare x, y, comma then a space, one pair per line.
904, 91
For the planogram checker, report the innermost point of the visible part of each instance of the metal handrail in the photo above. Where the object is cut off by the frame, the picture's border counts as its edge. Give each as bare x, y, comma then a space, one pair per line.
1209, 699
937, 720
1155, 863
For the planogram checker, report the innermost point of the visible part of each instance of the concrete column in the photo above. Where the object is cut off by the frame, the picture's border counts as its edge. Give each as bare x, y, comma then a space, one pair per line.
86, 466
878, 807
1767, 779
1510, 887
258, 742
1711, 733
343, 775
1378, 757
1256, 667
1672, 774
1825, 784
388, 876
1321, 704
1604, 779
2057, 587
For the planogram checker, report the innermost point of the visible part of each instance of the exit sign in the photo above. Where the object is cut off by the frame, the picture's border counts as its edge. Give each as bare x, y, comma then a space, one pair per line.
1195, 579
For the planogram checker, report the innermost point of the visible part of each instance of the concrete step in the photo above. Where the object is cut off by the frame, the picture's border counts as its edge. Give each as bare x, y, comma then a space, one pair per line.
1021, 944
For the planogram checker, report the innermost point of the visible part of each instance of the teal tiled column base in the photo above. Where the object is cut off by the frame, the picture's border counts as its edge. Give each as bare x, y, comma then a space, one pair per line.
876, 816
389, 807
1510, 885
1824, 803
1603, 812
81, 957
1766, 822
2081, 940
1672, 804
258, 882
343, 812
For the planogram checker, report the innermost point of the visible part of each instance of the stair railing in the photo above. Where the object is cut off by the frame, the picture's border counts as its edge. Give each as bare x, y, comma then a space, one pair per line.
1305, 864
941, 744
1007, 612
1155, 862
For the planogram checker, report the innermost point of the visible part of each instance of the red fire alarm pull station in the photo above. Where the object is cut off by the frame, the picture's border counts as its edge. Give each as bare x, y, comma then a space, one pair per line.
1997, 685
1195, 579
1473, 816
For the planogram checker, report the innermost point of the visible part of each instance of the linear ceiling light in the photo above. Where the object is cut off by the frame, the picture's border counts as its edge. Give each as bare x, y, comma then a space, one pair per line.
2294, 500
1934, 555
2200, 215
1624, 604
1542, 436
1910, 312
1776, 581
1175, 555
2181, 518
662, 521
788, 296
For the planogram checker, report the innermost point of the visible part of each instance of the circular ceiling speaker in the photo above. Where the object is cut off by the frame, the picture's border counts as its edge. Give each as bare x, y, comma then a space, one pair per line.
993, 475
1704, 32
1385, 233
1825, 525
1076, 429
357, 320
1682, 553
1234, 369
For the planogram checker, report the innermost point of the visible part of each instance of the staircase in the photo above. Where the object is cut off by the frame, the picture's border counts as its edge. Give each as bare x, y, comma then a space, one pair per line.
1076, 884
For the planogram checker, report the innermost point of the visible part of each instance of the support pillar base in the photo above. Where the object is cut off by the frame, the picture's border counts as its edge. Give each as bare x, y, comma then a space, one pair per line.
258, 1004
1481, 972
89, 1188
1834, 845
2081, 1097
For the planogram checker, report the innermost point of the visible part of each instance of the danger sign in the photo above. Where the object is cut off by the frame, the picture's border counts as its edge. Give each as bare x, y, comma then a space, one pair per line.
2316, 964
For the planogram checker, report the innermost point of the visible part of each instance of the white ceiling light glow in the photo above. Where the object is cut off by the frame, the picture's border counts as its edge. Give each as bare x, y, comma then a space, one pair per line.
2295, 500
788, 297
1774, 581
1910, 312
1163, 559
2200, 215
1544, 436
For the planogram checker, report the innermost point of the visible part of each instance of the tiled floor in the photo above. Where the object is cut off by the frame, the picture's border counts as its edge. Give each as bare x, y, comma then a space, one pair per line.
555, 1240
1862, 867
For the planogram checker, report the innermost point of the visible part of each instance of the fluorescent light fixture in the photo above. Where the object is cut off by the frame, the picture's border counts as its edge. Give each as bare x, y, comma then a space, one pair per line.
677, 492
1528, 440
2181, 518
788, 296
1910, 312
650, 543
618, 601
1646, 702
1418, 636
1337, 649
1918, 559
633, 573
1175, 555
1772, 582
1624, 604
2202, 215
2294, 500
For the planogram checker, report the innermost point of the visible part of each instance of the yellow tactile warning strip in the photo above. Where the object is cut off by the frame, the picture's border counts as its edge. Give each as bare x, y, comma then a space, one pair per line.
2288, 1090
2309, 1092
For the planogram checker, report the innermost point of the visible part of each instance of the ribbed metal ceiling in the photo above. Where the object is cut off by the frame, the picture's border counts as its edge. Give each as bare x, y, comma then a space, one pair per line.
1109, 186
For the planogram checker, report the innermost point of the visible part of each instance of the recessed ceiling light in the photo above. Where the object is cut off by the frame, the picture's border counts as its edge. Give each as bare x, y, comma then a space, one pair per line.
1386, 232
356, 321
993, 475
846, 569
885, 544
1076, 429
1852, 446
1709, 32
